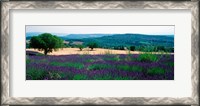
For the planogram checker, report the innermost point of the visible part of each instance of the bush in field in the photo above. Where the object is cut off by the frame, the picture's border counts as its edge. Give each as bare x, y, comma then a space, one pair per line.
140, 48
160, 48
156, 71
80, 47
148, 57
27, 45
92, 45
35, 74
132, 48
170, 49
46, 42
149, 49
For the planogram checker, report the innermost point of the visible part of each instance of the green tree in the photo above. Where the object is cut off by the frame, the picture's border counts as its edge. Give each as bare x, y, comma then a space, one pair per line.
46, 42
80, 47
27, 45
132, 48
160, 48
92, 45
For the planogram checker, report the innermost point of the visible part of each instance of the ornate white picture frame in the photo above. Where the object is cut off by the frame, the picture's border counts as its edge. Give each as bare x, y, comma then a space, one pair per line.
9, 6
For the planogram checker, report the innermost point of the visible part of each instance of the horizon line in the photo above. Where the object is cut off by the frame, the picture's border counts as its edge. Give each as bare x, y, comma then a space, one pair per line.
104, 33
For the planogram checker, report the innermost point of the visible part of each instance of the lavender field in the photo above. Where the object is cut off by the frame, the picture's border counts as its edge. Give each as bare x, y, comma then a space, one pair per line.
146, 66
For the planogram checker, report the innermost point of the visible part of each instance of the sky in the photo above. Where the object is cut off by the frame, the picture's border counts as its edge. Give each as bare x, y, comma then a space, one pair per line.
149, 30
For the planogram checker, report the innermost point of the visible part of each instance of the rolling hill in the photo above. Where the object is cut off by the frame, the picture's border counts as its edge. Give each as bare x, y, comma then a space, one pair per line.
117, 40
132, 39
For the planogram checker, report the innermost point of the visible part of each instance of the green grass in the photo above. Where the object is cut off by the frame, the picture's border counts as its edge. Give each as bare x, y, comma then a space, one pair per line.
56, 75
90, 60
54, 63
103, 77
75, 65
28, 61
68, 64
129, 58
171, 64
115, 58
40, 54
80, 77
36, 74
156, 71
130, 68
123, 78
98, 67
144, 57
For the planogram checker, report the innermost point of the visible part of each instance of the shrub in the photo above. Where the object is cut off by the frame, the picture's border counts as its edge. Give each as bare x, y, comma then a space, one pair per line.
132, 48
56, 75
130, 68
92, 45
80, 47
160, 48
28, 60
35, 74
156, 71
75, 65
68, 64
80, 77
148, 57
98, 67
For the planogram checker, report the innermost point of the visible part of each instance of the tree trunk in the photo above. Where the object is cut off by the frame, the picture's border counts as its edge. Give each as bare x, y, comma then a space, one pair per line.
45, 51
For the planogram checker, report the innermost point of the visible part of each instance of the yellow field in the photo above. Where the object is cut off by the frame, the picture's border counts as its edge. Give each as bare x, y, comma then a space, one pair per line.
69, 51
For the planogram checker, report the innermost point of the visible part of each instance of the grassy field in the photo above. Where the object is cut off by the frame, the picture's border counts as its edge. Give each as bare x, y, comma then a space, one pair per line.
100, 64
96, 51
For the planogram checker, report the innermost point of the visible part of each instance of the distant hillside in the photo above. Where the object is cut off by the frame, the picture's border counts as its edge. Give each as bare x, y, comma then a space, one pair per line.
82, 36
120, 41
132, 39
113, 40
65, 36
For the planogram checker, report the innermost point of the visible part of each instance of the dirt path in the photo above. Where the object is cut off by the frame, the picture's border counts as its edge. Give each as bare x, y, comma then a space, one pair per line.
69, 51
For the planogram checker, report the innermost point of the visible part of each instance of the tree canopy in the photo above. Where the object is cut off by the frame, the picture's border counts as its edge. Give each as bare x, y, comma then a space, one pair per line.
92, 45
46, 42
80, 46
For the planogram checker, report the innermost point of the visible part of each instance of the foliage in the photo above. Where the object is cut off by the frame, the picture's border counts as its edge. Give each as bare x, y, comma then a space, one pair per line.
56, 75
140, 41
145, 57
27, 45
132, 48
80, 77
75, 65
92, 45
46, 42
35, 74
98, 67
130, 68
101, 67
27, 60
68, 64
160, 48
135, 42
156, 71
80, 47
